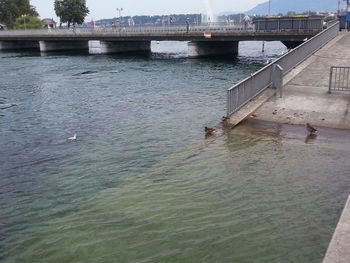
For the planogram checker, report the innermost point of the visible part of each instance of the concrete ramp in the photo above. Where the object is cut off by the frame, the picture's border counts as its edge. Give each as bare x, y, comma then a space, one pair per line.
339, 248
305, 91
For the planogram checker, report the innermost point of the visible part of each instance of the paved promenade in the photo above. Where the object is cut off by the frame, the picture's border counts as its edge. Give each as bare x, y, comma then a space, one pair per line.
305, 91
306, 99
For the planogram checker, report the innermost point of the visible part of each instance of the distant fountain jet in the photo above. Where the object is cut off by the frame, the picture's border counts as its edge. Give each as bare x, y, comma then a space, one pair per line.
209, 11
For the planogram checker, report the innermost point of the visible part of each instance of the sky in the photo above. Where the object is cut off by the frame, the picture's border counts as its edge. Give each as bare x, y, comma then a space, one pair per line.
107, 8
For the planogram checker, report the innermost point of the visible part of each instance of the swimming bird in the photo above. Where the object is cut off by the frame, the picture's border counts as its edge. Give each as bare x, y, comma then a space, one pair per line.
266, 62
226, 122
209, 132
225, 119
86, 72
73, 138
310, 129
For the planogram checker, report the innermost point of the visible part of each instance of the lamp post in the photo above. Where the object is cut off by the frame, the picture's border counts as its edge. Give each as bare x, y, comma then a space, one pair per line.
268, 14
120, 14
347, 20
347, 16
24, 21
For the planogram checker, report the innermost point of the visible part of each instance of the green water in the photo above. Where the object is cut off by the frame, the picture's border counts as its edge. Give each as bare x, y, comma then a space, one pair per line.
261, 196
140, 183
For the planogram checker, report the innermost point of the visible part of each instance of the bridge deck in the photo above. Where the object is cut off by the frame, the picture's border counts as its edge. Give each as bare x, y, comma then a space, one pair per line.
227, 33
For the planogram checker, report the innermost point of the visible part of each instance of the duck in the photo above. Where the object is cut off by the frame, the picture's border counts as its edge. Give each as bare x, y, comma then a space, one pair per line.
209, 131
225, 119
226, 122
310, 129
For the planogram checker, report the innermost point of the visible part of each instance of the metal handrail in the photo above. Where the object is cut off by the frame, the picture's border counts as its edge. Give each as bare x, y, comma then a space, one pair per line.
285, 24
124, 31
339, 79
250, 87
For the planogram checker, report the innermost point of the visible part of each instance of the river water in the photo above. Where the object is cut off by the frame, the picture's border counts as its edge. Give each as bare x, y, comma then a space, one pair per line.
140, 184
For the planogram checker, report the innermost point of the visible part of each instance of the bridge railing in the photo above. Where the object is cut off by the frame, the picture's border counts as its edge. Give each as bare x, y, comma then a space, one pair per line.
247, 89
125, 30
288, 24
145, 29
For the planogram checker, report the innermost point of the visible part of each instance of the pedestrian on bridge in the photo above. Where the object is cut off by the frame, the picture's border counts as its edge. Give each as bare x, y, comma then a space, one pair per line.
187, 26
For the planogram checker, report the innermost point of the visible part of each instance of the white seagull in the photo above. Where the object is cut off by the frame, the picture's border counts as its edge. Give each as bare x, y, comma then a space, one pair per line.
73, 138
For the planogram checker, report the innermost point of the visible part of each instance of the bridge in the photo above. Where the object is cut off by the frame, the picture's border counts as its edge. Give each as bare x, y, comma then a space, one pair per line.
203, 40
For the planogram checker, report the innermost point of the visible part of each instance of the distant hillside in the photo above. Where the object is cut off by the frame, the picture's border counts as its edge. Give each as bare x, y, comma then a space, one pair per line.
298, 6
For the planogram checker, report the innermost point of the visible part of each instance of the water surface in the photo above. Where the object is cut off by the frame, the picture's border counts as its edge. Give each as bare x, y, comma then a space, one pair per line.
140, 184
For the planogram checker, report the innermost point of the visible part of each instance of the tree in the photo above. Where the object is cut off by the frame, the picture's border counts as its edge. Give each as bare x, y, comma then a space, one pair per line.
25, 22
10, 10
71, 11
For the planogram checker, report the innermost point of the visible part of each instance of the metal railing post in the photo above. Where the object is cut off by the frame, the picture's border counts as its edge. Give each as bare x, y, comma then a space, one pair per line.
228, 104
339, 79
277, 78
330, 81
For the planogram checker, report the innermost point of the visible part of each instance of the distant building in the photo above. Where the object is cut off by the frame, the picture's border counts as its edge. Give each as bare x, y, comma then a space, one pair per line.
48, 23
2, 27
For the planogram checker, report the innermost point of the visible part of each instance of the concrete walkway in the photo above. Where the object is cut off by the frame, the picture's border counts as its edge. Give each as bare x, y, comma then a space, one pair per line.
305, 91
306, 99
339, 248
